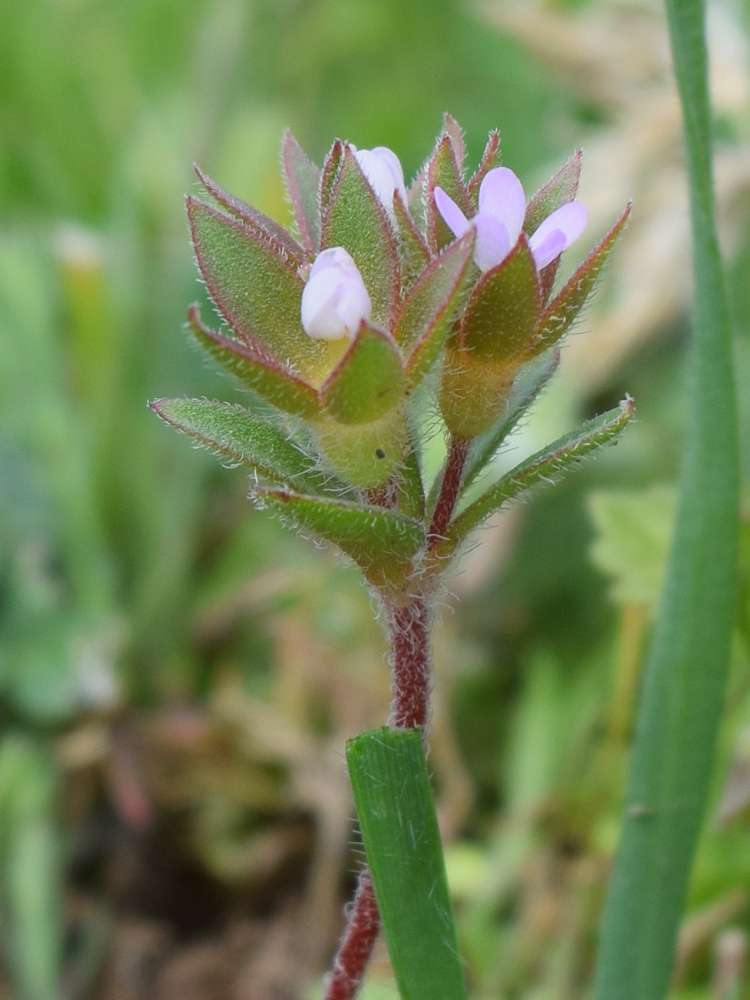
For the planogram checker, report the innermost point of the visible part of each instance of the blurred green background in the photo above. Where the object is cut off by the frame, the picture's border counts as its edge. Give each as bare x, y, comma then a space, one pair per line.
178, 674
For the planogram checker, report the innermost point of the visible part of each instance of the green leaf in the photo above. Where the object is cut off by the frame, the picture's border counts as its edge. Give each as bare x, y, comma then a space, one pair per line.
397, 818
262, 374
329, 173
633, 530
490, 160
555, 321
382, 542
368, 380
455, 133
242, 436
564, 454
413, 250
257, 290
443, 171
410, 486
528, 383
429, 309
503, 310
558, 191
356, 220
365, 455
685, 671
416, 199
303, 186
253, 218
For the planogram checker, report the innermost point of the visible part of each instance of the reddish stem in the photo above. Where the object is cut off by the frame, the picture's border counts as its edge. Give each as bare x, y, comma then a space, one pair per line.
357, 944
410, 662
454, 470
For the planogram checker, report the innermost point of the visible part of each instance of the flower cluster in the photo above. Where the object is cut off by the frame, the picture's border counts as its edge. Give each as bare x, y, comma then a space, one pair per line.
446, 284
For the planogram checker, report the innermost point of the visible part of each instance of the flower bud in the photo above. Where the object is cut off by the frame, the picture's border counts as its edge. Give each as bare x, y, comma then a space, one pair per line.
383, 170
334, 300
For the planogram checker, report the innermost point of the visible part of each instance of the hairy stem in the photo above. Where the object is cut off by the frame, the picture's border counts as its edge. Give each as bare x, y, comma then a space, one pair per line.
446, 501
410, 663
409, 626
356, 945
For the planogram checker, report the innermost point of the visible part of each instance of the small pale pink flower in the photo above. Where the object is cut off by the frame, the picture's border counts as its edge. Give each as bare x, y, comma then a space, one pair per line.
383, 170
499, 221
334, 300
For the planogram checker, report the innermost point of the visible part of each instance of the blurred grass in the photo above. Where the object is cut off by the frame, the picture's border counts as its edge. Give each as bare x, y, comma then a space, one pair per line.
188, 670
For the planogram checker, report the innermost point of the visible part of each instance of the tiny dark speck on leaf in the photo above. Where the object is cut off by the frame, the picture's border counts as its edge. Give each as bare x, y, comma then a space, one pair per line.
380, 453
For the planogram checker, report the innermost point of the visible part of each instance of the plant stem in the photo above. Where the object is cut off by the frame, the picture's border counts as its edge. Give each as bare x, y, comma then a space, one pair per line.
410, 663
357, 944
409, 626
446, 501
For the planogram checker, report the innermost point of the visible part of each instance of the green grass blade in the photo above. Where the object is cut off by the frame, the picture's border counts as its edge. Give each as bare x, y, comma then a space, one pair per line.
686, 668
30, 860
396, 813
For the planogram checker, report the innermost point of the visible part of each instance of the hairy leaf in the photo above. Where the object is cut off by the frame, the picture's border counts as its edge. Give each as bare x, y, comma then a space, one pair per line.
303, 186
455, 133
413, 249
562, 311
256, 290
416, 200
368, 380
542, 467
262, 374
399, 827
490, 160
382, 542
557, 192
474, 390
242, 436
410, 486
443, 171
253, 218
365, 455
356, 220
527, 385
503, 310
430, 307
329, 173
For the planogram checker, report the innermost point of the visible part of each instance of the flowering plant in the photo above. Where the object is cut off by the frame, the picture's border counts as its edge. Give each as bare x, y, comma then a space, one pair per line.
387, 304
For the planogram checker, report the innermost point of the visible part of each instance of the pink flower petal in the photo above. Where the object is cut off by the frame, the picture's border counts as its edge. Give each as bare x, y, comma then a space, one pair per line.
333, 257
493, 243
501, 195
570, 220
454, 218
551, 246
394, 165
335, 299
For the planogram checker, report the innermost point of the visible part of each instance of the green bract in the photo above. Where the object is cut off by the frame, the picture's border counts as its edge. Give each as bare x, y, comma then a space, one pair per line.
330, 431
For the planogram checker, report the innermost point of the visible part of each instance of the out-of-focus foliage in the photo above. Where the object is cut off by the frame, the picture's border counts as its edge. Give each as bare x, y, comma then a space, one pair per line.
182, 670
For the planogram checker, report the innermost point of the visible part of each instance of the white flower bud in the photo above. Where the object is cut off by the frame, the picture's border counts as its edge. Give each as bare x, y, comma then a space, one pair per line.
383, 170
334, 300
